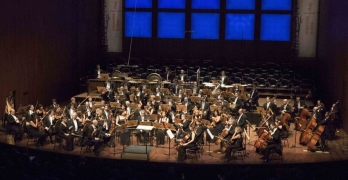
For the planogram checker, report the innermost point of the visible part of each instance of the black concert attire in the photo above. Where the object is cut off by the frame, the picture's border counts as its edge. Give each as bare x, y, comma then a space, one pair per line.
97, 73
109, 94
160, 134
321, 120
75, 127
125, 134
269, 106
63, 129
167, 76
200, 134
68, 112
224, 79
239, 103
274, 144
241, 121
297, 105
285, 107
34, 131
216, 130
237, 144
205, 107
28, 115
185, 129
254, 100
182, 149
189, 106
229, 135
92, 139
49, 123
14, 126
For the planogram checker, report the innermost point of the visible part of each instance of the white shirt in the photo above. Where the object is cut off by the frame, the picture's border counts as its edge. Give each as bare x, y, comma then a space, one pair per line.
239, 118
252, 93
15, 118
108, 86
274, 130
268, 105
98, 73
75, 124
235, 101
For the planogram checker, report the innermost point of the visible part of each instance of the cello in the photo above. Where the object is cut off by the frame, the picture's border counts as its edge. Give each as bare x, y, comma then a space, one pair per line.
319, 129
301, 121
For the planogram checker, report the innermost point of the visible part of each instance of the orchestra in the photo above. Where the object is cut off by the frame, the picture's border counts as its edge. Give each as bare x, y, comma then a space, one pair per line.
214, 112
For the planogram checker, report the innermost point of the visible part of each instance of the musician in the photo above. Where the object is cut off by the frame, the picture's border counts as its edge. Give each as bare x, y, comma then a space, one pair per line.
275, 143
14, 126
90, 102
172, 104
168, 75
159, 93
97, 71
218, 94
176, 87
299, 105
160, 134
183, 127
139, 95
268, 104
321, 119
231, 125
191, 142
149, 108
236, 142
40, 111
87, 111
33, 129
200, 132
223, 78
217, 125
118, 99
200, 93
49, 123
254, 98
73, 101
54, 104
188, 105
237, 102
105, 125
285, 108
74, 124
93, 137
70, 110
183, 76
29, 113
241, 120
63, 131
141, 133
204, 106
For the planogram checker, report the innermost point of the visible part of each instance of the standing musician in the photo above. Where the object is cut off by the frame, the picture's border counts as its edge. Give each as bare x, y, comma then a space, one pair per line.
321, 120
254, 98
97, 71
204, 106
33, 129
14, 125
93, 137
223, 78
141, 133
49, 123
54, 104
110, 87
234, 142
63, 131
168, 75
183, 76
160, 134
191, 142
175, 88
275, 143
121, 119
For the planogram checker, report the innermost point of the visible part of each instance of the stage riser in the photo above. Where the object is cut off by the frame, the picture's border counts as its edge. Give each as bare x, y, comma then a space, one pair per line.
138, 153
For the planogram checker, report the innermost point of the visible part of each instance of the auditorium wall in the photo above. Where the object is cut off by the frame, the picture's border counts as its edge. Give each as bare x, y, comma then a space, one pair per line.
45, 47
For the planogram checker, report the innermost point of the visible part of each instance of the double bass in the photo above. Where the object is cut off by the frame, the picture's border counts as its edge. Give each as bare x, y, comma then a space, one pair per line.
301, 121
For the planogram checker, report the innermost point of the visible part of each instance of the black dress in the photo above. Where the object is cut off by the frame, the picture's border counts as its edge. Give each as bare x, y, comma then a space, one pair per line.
34, 131
69, 139
182, 149
235, 145
124, 135
160, 134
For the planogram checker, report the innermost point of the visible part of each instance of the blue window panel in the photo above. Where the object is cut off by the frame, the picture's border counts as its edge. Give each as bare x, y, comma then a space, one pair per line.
138, 24
240, 4
205, 25
138, 4
205, 4
172, 4
275, 27
240, 26
171, 25
276, 5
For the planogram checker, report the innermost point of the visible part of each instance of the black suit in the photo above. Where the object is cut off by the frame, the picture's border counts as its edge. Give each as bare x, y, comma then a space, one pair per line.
274, 144
287, 108
141, 133
239, 104
225, 81
28, 116
96, 72
49, 122
92, 140
254, 97
301, 103
241, 120
188, 105
183, 77
74, 129
168, 76
13, 126
205, 108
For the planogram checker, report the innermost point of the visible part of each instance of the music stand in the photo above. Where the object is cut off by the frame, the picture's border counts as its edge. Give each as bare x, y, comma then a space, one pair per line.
206, 91
152, 117
166, 107
176, 99
211, 100
115, 105
181, 108
104, 76
145, 128
119, 128
213, 108
188, 92
101, 89
196, 99
170, 136
165, 91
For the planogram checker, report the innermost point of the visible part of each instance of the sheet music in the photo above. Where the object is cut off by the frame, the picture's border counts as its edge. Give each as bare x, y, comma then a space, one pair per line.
170, 134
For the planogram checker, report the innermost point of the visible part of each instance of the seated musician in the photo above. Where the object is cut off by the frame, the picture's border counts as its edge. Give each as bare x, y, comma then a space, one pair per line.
93, 137
321, 120
230, 128
40, 111
64, 132
90, 102
69, 111
14, 125
160, 133
139, 96
49, 123
268, 104
168, 75
190, 142
188, 105
29, 112
237, 103
223, 78
105, 124
175, 88
235, 142
200, 93
204, 106
149, 108
33, 129
183, 127
285, 108
216, 123
87, 111
200, 131
299, 105
73, 101
110, 87
241, 120
274, 144
75, 127
159, 93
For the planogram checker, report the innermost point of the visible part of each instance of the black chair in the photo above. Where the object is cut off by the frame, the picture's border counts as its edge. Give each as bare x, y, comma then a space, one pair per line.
272, 82
60, 141
206, 79
31, 138
193, 78
249, 81
261, 82
284, 83
241, 152
9, 135
85, 143
194, 151
214, 74
237, 80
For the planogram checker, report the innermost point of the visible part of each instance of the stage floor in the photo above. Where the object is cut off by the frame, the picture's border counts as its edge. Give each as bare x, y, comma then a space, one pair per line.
335, 152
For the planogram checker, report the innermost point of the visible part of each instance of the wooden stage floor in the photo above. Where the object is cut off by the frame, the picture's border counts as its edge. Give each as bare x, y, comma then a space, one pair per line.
336, 151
